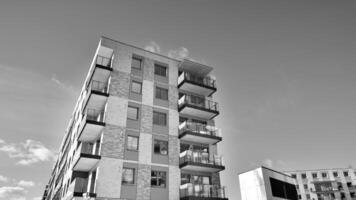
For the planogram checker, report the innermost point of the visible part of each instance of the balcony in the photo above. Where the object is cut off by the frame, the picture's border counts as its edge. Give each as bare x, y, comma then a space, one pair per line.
195, 132
199, 85
192, 191
197, 106
97, 94
92, 124
85, 158
200, 161
78, 189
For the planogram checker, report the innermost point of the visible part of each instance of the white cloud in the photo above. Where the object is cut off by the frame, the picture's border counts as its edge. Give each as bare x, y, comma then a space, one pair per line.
36, 198
180, 53
268, 162
12, 193
29, 152
3, 178
62, 85
153, 47
24, 183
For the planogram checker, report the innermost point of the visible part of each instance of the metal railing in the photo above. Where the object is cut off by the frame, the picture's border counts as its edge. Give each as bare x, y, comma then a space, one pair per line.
199, 128
98, 86
199, 102
200, 157
207, 81
201, 190
103, 61
80, 184
94, 115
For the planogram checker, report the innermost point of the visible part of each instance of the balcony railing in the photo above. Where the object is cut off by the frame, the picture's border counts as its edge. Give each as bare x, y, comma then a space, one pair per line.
98, 86
199, 129
95, 115
200, 157
103, 61
198, 102
201, 190
204, 81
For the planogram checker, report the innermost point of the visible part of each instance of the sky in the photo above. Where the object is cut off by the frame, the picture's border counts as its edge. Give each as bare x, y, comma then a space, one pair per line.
285, 73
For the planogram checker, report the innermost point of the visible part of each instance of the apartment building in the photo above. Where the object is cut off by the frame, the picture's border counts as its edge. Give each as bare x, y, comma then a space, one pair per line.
326, 184
142, 128
267, 184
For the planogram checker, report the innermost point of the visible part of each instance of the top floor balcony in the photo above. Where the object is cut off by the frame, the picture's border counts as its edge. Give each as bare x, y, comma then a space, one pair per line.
200, 133
197, 106
196, 84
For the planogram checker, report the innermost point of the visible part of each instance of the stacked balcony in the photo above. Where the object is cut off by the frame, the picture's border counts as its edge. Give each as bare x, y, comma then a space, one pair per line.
93, 122
86, 157
197, 106
196, 132
200, 161
204, 86
190, 191
78, 189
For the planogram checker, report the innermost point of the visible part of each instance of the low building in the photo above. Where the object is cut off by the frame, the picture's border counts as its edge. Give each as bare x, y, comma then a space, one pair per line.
267, 184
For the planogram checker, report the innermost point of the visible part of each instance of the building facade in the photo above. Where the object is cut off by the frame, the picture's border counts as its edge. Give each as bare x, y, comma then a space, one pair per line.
267, 184
326, 184
142, 128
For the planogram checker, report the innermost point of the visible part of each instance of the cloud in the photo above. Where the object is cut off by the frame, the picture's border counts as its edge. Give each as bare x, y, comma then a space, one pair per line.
180, 53
36, 198
12, 193
24, 183
273, 164
153, 47
29, 152
3, 179
62, 84
268, 163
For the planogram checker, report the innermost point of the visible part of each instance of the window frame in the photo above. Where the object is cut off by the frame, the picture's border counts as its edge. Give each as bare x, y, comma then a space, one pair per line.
137, 143
154, 122
136, 82
159, 68
160, 142
133, 176
134, 57
160, 90
159, 175
137, 112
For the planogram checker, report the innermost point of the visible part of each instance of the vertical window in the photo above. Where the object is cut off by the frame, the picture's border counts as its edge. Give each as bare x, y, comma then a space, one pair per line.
305, 186
335, 174
136, 87
161, 93
159, 118
132, 143
294, 176
314, 175
160, 147
160, 70
346, 173
304, 176
132, 113
158, 179
308, 196
324, 175
136, 63
128, 175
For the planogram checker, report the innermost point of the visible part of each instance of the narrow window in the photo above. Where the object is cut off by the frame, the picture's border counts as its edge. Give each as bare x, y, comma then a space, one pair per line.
136, 63
304, 176
160, 70
132, 113
314, 175
132, 143
136, 87
158, 179
335, 174
160, 147
346, 173
324, 175
159, 118
128, 176
161, 93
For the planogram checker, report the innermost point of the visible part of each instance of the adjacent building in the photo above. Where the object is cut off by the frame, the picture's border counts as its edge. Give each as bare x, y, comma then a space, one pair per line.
267, 184
326, 184
142, 128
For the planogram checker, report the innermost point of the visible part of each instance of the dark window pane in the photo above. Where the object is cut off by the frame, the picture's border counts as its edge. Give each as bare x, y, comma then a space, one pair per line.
283, 190
161, 93
160, 70
159, 118
160, 147
136, 63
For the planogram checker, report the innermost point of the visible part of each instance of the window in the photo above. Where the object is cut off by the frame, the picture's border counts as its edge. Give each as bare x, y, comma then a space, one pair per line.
136, 87
305, 186
304, 176
159, 118
283, 189
294, 176
160, 70
158, 179
315, 175
161, 93
132, 143
128, 175
308, 196
132, 113
335, 174
160, 147
324, 175
346, 173
136, 63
